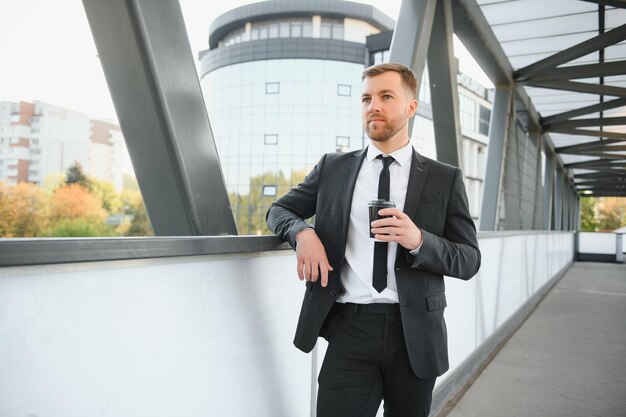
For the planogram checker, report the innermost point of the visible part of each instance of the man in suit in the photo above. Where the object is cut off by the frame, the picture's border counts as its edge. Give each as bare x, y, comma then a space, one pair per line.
378, 303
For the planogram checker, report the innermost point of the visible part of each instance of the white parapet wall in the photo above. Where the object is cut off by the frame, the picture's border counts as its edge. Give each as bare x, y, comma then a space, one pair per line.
209, 335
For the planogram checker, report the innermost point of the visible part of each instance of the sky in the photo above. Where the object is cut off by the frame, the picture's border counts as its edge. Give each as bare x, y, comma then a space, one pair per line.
47, 52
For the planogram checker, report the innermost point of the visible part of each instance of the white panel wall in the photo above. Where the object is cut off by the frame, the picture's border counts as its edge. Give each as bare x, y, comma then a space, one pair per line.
208, 335
595, 242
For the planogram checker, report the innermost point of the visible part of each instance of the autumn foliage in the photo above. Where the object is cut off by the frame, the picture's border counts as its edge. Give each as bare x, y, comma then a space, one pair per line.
75, 201
72, 208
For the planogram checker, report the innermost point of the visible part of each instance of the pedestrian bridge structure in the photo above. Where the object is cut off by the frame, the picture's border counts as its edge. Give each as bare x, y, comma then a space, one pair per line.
199, 320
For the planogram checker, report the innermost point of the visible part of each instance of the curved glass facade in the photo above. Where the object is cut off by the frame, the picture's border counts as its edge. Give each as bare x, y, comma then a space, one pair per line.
273, 118
281, 115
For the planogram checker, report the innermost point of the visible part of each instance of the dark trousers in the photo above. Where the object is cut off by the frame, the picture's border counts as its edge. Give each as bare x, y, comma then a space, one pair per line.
367, 362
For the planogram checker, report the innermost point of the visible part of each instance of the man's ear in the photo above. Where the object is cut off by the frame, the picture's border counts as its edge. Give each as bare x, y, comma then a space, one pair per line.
412, 108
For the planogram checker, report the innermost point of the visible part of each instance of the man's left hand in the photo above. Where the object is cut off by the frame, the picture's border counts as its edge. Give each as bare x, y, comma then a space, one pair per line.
399, 228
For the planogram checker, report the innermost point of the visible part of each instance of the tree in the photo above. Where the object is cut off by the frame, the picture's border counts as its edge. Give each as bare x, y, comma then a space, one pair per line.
588, 222
24, 210
53, 181
75, 201
133, 206
249, 209
611, 213
75, 175
105, 191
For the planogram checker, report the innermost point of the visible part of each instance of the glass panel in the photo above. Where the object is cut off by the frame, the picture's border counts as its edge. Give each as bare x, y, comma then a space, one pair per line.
296, 29
325, 30
307, 29
68, 168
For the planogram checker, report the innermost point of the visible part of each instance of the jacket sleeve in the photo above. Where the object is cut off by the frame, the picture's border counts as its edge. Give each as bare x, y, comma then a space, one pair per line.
286, 217
455, 253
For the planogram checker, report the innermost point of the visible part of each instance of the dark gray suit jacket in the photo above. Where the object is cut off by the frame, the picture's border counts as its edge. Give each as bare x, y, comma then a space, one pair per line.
436, 202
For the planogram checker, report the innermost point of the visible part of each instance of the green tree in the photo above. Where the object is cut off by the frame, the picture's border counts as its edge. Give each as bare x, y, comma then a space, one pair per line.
588, 222
249, 209
134, 207
80, 228
105, 191
76, 175
129, 183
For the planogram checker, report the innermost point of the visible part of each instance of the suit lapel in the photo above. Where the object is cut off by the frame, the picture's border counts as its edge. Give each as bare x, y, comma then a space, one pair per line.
417, 179
352, 172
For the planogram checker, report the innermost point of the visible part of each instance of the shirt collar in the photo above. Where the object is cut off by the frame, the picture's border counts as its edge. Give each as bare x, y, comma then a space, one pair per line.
402, 155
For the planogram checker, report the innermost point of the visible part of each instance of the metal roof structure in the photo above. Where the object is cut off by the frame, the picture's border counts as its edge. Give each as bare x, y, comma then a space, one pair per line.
570, 58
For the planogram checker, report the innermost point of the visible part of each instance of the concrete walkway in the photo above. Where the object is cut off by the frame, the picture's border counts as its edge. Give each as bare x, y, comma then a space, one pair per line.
567, 360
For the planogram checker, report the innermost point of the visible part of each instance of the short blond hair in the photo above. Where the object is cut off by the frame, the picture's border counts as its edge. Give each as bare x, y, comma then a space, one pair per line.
408, 78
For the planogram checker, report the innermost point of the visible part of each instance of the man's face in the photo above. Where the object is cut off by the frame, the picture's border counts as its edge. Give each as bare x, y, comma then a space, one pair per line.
385, 106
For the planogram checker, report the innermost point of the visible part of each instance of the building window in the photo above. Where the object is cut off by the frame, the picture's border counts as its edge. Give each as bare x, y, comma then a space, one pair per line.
337, 30
467, 113
343, 142
273, 30
284, 29
344, 90
379, 57
296, 29
485, 115
325, 29
271, 139
272, 88
269, 191
331, 29
307, 29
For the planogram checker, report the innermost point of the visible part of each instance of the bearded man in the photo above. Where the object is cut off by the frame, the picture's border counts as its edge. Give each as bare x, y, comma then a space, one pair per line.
375, 290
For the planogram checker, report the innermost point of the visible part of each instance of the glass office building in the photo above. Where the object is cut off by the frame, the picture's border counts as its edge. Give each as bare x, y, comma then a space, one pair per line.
281, 82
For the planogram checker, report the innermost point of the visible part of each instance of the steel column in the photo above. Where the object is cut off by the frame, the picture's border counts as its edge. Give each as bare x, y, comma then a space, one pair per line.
411, 37
548, 194
150, 70
558, 201
498, 131
442, 72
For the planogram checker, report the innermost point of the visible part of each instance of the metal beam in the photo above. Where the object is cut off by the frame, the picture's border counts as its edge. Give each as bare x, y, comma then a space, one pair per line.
584, 110
498, 135
605, 69
476, 34
603, 194
151, 74
589, 146
605, 121
616, 181
583, 132
411, 37
606, 174
596, 154
444, 95
598, 163
579, 87
613, 3
591, 45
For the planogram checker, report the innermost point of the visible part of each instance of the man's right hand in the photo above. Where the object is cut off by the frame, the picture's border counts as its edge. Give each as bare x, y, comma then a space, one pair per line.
311, 255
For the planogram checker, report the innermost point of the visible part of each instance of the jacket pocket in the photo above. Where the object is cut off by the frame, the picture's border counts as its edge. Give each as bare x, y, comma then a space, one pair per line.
436, 301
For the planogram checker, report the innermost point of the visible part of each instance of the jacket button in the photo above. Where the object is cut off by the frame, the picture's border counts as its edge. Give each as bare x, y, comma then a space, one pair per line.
333, 293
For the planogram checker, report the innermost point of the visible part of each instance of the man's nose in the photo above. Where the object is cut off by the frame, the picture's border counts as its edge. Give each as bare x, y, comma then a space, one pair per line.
374, 105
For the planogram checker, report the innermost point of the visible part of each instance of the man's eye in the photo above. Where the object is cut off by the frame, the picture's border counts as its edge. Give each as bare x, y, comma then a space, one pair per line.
387, 97
365, 100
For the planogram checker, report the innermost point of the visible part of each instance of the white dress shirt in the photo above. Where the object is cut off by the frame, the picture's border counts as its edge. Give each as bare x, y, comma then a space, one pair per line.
356, 273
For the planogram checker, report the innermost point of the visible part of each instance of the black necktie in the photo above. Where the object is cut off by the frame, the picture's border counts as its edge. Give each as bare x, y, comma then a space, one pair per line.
380, 248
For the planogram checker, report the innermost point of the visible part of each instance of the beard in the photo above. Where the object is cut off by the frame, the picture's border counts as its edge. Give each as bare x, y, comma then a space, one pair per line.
383, 133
